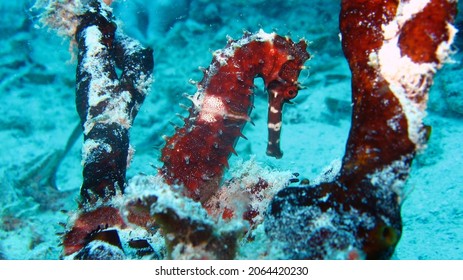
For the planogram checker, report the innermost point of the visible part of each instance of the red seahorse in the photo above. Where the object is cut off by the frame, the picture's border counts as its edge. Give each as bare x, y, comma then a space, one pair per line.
197, 154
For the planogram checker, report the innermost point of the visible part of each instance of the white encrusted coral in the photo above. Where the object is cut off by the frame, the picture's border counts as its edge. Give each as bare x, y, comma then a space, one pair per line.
63, 15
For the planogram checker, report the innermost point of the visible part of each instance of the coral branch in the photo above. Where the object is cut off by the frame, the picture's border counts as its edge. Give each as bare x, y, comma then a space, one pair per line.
107, 104
197, 154
394, 49
392, 74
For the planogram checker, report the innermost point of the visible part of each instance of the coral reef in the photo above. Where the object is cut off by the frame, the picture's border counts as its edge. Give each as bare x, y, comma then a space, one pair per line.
393, 48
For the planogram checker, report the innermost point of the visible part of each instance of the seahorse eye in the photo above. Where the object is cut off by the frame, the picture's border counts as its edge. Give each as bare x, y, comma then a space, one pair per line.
292, 93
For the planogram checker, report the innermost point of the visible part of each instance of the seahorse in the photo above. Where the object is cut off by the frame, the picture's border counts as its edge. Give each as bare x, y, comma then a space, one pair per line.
197, 154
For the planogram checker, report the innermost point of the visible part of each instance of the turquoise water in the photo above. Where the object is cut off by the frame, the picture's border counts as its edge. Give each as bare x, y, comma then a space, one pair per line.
40, 169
